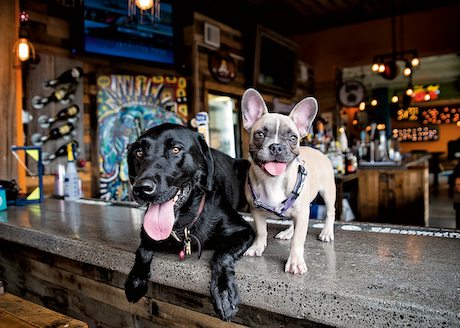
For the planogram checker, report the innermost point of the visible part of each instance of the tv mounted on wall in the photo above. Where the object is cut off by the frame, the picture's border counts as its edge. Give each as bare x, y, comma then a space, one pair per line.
275, 63
109, 31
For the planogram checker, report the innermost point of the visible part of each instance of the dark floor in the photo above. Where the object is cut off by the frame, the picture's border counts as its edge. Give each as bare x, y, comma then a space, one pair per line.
442, 213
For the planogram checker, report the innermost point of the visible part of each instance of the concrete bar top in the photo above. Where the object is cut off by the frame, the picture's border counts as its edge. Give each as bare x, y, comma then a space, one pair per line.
379, 276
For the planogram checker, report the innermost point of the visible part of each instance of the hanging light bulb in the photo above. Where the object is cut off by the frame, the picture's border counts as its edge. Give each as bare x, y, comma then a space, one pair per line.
409, 91
427, 97
394, 99
23, 50
362, 106
415, 61
374, 102
407, 71
375, 67
144, 4
381, 68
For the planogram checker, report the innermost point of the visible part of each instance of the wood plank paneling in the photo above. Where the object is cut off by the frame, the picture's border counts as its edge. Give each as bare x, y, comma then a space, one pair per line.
8, 121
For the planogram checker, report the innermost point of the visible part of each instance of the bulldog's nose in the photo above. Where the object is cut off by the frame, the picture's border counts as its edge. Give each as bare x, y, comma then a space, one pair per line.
144, 186
276, 149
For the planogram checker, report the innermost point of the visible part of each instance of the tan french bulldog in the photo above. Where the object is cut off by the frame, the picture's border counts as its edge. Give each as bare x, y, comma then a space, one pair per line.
285, 178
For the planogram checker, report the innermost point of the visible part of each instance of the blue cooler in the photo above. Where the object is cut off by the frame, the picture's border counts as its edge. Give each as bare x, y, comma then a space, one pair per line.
2, 198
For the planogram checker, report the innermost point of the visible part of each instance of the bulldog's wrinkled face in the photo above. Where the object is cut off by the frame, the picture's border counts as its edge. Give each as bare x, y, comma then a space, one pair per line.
274, 138
274, 143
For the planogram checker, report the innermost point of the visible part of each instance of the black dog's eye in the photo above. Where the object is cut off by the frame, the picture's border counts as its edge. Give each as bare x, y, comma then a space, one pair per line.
259, 135
293, 139
175, 150
139, 153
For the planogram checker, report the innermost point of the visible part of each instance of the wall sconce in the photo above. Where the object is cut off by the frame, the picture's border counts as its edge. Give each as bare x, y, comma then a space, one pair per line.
148, 11
23, 49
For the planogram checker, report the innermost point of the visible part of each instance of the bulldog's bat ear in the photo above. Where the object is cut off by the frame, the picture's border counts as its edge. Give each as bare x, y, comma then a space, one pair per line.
303, 115
253, 107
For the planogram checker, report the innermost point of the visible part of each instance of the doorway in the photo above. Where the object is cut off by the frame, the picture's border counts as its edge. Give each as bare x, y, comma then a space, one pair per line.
225, 124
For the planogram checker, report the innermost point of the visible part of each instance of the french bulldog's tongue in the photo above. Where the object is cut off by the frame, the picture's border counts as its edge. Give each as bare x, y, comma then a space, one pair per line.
275, 168
159, 220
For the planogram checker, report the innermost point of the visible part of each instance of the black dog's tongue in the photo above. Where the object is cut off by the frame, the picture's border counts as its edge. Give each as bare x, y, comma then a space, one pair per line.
159, 220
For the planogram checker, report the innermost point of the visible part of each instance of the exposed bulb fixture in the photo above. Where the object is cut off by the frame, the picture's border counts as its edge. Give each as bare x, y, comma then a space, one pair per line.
375, 67
362, 106
394, 99
23, 50
427, 97
144, 4
407, 71
415, 61
374, 102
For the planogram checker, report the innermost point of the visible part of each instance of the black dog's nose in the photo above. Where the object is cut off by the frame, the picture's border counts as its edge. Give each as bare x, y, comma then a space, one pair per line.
276, 149
144, 186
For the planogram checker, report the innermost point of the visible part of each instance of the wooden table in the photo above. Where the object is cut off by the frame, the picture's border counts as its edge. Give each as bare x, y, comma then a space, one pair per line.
16, 312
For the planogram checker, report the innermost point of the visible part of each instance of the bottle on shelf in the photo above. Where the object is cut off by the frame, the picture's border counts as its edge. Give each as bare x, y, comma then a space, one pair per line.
62, 95
71, 181
70, 76
62, 151
63, 131
69, 113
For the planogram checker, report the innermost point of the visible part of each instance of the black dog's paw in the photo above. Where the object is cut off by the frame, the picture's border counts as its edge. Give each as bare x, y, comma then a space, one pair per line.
225, 297
135, 288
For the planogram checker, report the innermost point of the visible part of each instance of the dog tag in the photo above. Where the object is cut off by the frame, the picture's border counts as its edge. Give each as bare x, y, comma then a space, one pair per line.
188, 247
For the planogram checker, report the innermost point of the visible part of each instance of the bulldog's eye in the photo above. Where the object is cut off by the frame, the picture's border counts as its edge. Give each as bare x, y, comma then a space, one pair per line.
175, 150
293, 139
139, 153
259, 135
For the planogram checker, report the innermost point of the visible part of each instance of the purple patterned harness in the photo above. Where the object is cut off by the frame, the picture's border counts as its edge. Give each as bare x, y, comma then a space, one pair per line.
288, 202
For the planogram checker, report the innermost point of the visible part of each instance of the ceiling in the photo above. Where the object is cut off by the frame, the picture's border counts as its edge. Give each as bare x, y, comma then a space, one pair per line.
292, 17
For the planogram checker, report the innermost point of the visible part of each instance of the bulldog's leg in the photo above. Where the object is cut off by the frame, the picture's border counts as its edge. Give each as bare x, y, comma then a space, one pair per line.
136, 284
259, 244
329, 196
296, 262
224, 290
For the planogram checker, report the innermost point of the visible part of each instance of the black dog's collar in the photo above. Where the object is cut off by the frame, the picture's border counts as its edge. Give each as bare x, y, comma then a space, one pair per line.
288, 202
183, 234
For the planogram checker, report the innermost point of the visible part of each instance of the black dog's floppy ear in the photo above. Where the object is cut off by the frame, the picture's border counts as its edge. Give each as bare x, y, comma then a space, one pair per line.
206, 152
131, 167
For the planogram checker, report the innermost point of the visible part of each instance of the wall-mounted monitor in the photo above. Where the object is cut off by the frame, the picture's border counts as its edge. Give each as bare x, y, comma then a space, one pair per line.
109, 31
275, 63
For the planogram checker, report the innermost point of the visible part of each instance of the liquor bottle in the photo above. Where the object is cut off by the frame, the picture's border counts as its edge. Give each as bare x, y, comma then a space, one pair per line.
38, 140
70, 76
61, 95
62, 151
71, 181
69, 113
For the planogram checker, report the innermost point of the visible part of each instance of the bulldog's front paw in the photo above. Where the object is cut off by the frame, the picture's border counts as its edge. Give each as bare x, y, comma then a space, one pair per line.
286, 234
326, 235
135, 288
257, 248
295, 265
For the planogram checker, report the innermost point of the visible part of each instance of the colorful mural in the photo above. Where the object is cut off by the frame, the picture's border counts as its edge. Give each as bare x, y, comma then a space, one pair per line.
127, 106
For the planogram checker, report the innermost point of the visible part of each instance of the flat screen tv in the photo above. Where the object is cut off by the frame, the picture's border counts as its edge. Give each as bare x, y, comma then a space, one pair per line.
109, 31
275, 63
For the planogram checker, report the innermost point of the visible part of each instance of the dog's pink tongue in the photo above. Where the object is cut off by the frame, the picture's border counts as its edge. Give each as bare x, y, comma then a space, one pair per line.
275, 168
159, 220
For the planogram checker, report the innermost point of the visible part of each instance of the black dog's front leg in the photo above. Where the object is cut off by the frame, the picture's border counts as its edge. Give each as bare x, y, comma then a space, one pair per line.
136, 284
224, 290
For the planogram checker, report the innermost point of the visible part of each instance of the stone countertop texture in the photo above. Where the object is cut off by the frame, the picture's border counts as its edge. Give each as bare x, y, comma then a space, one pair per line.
362, 279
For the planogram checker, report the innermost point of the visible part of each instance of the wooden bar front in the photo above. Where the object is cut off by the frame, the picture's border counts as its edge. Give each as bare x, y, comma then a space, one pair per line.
396, 194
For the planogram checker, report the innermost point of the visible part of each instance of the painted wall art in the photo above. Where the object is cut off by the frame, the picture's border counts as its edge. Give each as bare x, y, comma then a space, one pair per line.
127, 106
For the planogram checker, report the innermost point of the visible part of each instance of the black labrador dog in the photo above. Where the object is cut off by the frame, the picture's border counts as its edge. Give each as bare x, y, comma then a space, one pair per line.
192, 193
